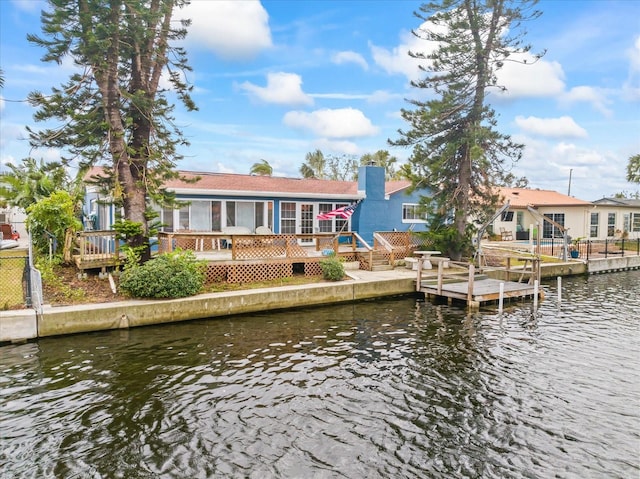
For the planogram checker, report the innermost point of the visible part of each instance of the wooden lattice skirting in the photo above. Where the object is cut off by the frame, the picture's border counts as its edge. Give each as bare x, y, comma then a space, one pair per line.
254, 271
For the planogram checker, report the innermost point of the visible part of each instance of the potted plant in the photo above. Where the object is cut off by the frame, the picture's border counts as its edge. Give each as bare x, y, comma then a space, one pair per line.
574, 250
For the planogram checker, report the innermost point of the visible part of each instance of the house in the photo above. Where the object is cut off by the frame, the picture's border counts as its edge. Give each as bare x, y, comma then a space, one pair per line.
518, 221
284, 205
615, 218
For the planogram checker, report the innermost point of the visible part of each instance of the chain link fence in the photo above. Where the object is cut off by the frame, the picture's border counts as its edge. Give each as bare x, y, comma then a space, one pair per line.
20, 281
15, 279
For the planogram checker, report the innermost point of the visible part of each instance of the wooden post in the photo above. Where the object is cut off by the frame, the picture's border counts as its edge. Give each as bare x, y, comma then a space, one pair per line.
440, 273
419, 280
470, 289
508, 268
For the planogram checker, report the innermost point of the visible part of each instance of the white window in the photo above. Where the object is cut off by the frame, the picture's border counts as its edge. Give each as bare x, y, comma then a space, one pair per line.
635, 222
413, 213
611, 224
593, 226
549, 230
287, 218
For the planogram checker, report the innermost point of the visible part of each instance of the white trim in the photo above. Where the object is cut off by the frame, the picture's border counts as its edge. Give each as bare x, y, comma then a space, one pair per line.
265, 194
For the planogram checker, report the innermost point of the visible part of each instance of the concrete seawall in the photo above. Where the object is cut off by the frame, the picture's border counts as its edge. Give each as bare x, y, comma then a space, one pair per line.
25, 324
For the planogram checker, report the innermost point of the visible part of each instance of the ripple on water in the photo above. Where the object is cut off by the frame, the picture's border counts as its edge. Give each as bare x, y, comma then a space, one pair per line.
378, 389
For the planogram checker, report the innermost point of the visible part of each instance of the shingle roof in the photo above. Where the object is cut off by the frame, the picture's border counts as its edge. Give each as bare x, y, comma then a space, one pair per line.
225, 183
632, 202
523, 197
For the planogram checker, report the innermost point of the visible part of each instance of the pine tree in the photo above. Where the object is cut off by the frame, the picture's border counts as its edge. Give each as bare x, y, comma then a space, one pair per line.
457, 151
114, 112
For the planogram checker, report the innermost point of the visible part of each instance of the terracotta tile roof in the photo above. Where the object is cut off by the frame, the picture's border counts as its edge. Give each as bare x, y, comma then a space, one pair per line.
226, 183
522, 197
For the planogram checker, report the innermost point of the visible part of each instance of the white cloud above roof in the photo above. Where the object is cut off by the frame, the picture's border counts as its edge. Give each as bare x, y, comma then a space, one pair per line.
596, 97
339, 146
332, 123
397, 59
350, 57
631, 87
282, 89
562, 127
523, 76
232, 30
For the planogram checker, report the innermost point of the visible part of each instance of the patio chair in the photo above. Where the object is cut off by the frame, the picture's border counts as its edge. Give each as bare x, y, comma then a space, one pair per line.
506, 235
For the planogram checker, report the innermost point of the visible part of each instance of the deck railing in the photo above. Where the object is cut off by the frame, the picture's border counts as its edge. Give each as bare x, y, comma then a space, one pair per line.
99, 249
256, 246
93, 249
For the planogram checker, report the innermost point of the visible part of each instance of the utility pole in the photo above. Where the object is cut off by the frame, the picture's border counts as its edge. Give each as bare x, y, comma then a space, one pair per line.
569, 190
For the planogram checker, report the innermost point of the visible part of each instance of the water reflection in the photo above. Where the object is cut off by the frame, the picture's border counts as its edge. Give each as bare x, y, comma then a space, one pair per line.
391, 388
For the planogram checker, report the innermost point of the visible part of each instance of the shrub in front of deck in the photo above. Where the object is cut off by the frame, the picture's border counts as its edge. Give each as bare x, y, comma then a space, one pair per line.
172, 275
332, 269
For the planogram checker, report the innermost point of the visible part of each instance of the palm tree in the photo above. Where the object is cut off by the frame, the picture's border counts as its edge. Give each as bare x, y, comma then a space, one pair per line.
32, 181
262, 168
384, 159
314, 165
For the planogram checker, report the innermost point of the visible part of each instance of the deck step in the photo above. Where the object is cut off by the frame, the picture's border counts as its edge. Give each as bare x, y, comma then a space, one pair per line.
381, 267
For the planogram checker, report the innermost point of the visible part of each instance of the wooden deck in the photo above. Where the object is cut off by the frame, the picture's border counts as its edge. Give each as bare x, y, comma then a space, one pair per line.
483, 290
460, 282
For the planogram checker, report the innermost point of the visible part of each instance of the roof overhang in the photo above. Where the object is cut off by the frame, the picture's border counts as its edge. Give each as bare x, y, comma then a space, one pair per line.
263, 194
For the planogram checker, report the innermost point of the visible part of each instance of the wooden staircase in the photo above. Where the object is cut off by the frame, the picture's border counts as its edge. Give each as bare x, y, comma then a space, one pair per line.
379, 262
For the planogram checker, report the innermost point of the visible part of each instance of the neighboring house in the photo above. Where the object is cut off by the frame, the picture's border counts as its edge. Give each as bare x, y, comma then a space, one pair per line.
16, 218
569, 212
285, 205
615, 218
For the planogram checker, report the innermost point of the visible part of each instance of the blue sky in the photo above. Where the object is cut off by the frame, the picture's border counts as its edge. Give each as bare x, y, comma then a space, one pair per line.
277, 79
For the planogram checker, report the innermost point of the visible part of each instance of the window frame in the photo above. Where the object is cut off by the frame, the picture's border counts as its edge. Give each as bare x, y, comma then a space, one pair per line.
414, 209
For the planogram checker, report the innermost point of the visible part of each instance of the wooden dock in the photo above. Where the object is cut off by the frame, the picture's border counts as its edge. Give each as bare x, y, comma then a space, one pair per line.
463, 284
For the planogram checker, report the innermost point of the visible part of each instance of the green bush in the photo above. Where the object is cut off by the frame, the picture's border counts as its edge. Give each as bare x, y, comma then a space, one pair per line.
332, 269
171, 275
50, 218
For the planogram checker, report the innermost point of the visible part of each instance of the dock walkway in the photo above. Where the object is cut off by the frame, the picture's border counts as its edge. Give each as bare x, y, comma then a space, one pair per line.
460, 282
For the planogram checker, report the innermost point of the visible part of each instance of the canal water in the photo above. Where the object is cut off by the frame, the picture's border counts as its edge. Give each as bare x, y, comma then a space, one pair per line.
382, 389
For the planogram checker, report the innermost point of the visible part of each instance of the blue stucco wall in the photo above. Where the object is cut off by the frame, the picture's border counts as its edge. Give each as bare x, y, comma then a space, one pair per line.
377, 213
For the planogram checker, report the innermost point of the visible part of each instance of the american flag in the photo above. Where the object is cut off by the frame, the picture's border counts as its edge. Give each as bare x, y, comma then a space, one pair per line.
343, 212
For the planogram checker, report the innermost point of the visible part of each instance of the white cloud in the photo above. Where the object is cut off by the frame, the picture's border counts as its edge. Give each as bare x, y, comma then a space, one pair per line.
232, 30
350, 57
586, 94
523, 76
282, 89
383, 96
31, 6
341, 96
631, 87
222, 168
336, 123
563, 127
1, 103
339, 147
398, 61
548, 165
